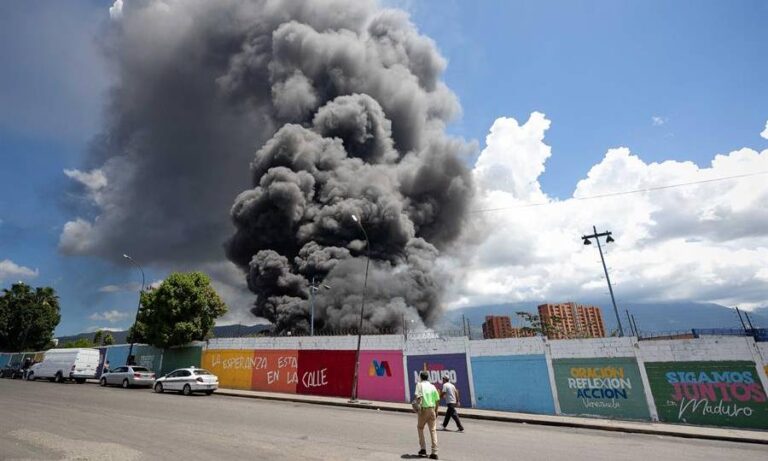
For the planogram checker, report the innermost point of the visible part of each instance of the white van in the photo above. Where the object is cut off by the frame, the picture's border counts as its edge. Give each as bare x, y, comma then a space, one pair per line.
61, 364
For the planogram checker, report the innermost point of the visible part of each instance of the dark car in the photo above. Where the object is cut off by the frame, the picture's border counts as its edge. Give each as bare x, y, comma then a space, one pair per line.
12, 372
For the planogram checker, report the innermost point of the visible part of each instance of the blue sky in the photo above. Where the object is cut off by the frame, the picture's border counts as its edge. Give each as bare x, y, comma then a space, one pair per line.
600, 71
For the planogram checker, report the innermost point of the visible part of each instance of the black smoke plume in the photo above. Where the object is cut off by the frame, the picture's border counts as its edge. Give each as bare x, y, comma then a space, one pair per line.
339, 108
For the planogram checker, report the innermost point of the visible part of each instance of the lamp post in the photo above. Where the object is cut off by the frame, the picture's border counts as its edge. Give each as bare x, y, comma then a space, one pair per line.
312, 291
136, 319
608, 239
362, 309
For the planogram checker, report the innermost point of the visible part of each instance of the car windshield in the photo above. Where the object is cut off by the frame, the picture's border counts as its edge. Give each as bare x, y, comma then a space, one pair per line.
200, 371
140, 369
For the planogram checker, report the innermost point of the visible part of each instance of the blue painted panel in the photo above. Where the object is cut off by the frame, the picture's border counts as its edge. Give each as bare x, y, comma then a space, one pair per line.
513, 383
148, 356
4, 358
117, 355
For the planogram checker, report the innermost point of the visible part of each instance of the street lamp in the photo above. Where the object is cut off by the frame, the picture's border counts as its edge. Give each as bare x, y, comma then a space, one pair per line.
362, 308
312, 290
136, 319
608, 239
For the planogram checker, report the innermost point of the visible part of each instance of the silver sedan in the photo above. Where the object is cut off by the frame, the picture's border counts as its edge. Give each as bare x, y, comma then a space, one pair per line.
127, 376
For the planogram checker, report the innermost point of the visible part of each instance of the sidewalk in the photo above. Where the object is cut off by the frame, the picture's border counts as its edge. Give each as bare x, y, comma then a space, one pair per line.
671, 430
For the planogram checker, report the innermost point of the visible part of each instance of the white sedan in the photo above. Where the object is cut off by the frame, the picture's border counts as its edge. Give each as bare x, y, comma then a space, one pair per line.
187, 381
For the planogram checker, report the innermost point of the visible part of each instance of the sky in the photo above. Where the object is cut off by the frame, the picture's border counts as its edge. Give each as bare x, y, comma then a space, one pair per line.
564, 101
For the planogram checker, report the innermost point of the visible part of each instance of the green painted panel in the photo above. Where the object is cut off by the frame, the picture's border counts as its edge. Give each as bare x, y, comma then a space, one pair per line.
180, 357
609, 387
709, 393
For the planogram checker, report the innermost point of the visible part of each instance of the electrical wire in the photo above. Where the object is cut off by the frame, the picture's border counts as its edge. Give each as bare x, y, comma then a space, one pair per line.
628, 192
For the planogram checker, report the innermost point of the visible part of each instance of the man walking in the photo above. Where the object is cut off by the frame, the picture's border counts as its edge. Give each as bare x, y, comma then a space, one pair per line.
451, 396
427, 397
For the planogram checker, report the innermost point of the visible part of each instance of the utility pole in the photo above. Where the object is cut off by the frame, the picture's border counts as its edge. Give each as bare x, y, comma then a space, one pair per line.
634, 324
129, 359
362, 309
629, 320
608, 239
743, 325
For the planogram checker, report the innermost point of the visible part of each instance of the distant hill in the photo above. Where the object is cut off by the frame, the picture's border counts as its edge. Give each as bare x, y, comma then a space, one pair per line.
655, 317
223, 331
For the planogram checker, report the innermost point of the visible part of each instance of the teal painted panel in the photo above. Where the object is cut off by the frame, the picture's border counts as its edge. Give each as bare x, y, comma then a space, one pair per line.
180, 357
608, 387
517, 383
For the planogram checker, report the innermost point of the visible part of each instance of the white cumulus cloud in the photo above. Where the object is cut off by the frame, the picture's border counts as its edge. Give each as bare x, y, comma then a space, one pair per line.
764, 134
658, 120
10, 270
706, 241
112, 316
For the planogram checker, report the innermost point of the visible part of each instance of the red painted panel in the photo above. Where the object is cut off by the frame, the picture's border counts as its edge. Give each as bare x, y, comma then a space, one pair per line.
327, 373
275, 371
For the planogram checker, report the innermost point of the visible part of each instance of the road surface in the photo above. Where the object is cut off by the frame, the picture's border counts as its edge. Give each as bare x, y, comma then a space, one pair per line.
47, 421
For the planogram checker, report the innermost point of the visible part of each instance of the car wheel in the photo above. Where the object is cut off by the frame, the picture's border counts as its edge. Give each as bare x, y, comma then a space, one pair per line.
208, 392
186, 390
126, 384
103, 382
31, 376
159, 388
59, 378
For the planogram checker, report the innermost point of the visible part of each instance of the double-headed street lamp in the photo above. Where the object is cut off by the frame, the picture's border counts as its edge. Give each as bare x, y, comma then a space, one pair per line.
136, 319
608, 239
362, 309
312, 291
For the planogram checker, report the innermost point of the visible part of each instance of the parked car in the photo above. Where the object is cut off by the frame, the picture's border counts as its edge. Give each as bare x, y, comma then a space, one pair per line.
12, 371
187, 381
132, 375
63, 364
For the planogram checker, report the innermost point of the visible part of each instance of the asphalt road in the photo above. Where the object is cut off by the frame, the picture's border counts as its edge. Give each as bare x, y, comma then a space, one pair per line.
42, 420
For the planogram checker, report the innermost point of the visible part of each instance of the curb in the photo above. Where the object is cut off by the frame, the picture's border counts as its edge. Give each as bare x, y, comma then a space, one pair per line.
586, 424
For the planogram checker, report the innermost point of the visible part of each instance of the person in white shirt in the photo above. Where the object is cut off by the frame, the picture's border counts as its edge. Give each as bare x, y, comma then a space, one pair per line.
451, 396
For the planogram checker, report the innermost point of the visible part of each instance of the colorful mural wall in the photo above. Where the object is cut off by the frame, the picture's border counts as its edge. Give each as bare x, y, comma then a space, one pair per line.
180, 357
326, 373
382, 376
709, 393
454, 366
609, 387
275, 371
517, 383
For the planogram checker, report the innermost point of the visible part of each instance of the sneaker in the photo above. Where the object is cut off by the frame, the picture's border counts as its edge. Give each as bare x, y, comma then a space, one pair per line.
461, 429
433, 456
442, 428
423, 453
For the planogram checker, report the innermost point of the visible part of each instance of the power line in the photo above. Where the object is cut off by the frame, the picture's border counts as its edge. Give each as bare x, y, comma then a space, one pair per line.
628, 192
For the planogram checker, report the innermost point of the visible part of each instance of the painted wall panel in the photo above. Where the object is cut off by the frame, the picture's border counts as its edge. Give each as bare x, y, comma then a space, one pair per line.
148, 356
181, 357
117, 355
275, 371
234, 367
438, 365
513, 383
4, 358
325, 372
381, 376
609, 387
709, 393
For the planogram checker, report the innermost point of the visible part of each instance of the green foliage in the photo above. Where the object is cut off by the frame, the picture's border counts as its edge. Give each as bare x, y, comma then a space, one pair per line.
82, 342
182, 309
537, 326
97, 337
108, 340
27, 317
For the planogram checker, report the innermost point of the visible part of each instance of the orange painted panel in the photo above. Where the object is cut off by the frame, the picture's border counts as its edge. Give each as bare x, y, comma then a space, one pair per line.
275, 371
234, 367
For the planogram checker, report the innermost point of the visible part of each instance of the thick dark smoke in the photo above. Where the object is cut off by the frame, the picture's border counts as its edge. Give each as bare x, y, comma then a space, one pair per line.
343, 106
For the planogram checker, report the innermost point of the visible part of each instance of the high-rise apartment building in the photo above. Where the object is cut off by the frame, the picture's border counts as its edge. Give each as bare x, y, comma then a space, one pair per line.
500, 326
571, 320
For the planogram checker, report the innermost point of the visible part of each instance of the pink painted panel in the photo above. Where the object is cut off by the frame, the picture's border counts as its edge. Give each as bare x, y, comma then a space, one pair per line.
381, 376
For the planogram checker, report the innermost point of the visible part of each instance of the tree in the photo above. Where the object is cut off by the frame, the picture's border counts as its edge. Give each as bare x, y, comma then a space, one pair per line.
82, 342
108, 340
537, 326
182, 309
27, 317
97, 337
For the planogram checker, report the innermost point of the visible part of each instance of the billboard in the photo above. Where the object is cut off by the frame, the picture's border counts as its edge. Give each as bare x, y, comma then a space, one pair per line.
454, 366
609, 387
725, 393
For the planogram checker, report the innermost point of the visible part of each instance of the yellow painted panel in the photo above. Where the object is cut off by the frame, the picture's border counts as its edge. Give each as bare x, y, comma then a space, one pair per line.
233, 367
